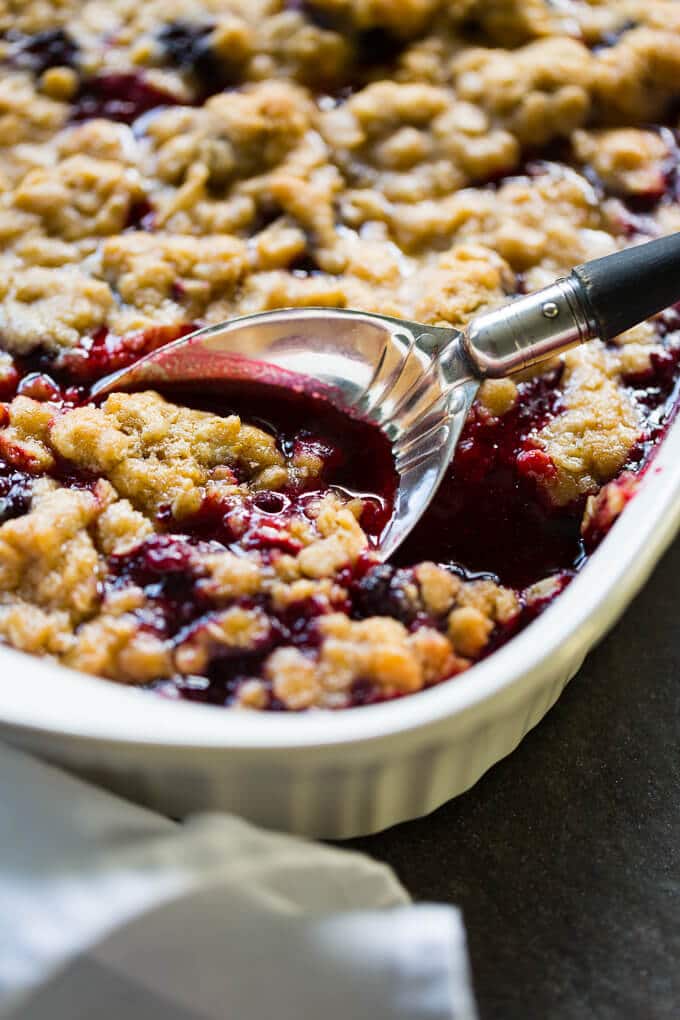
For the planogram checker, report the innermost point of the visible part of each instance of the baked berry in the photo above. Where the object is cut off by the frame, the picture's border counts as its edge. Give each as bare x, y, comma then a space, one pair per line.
270, 502
39, 386
186, 45
120, 97
385, 591
37, 53
15, 493
156, 556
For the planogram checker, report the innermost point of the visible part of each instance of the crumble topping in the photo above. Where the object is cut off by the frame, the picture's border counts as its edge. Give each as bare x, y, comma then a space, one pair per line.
629, 161
50, 308
164, 280
80, 197
591, 440
48, 557
171, 164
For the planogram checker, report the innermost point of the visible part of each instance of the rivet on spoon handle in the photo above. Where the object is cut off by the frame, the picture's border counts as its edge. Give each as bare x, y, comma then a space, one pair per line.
529, 330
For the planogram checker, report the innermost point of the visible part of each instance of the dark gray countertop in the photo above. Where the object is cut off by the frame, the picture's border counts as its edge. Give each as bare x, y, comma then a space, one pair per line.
565, 857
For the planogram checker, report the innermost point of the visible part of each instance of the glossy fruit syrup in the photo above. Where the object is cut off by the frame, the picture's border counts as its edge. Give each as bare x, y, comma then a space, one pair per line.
490, 514
356, 461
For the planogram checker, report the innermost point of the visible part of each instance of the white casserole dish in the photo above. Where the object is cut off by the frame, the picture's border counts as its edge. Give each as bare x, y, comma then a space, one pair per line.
351, 772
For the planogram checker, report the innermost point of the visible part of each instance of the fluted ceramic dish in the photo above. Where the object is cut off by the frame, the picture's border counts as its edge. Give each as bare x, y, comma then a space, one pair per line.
341, 774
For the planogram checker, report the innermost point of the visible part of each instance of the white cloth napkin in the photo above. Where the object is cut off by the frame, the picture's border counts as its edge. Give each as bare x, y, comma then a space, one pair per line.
108, 910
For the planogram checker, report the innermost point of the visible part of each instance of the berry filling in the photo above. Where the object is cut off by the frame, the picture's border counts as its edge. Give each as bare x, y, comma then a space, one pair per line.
15, 492
186, 45
489, 513
37, 53
119, 97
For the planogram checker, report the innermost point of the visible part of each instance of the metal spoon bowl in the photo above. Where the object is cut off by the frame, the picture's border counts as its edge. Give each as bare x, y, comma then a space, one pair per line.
416, 382
412, 381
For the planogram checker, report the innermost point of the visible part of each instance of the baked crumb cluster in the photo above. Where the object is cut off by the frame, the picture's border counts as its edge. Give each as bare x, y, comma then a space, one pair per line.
165, 165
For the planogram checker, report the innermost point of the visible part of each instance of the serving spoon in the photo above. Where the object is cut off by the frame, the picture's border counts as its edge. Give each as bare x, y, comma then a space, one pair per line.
416, 382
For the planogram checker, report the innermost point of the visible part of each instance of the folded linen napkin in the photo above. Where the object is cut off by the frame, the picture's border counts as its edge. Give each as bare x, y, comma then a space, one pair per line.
110, 910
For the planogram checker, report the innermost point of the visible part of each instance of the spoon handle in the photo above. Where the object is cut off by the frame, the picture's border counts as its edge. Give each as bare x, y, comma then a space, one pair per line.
629, 286
601, 299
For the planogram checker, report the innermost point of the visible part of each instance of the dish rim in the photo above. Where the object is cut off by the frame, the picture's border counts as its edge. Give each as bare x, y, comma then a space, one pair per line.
54, 700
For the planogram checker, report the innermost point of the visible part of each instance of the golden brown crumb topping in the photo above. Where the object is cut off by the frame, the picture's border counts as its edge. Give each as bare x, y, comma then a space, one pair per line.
155, 453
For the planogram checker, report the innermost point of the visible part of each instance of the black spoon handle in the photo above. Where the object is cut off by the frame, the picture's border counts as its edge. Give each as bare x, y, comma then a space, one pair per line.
625, 288
598, 299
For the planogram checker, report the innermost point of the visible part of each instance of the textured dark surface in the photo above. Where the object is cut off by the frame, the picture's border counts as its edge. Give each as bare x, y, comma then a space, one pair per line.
566, 856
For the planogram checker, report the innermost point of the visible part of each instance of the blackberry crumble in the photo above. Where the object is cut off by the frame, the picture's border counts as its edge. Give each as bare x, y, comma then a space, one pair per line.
169, 165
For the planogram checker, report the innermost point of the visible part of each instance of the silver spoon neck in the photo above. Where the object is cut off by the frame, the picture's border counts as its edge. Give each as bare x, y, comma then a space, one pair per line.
529, 330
